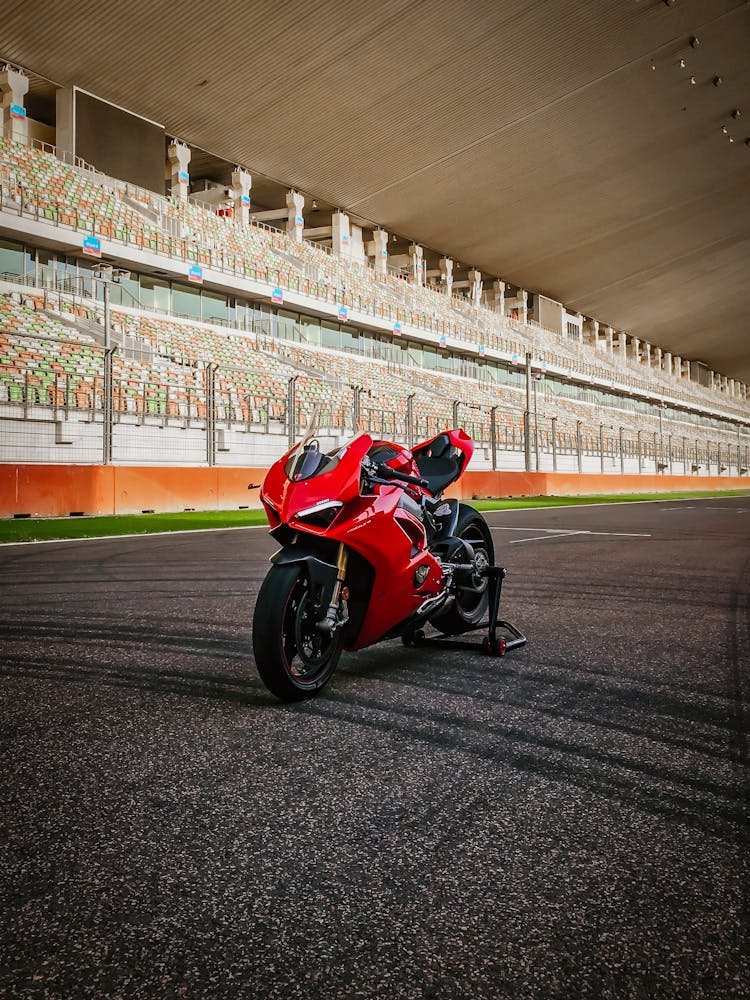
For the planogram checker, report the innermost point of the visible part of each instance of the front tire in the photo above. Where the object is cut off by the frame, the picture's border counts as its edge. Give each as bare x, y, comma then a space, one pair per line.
294, 658
469, 606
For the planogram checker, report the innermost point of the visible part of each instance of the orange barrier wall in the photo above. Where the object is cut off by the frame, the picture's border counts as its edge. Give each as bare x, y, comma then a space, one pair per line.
518, 484
58, 490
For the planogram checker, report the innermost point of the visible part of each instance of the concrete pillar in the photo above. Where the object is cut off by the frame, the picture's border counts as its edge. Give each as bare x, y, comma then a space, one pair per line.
14, 86
416, 255
677, 366
668, 362
657, 361
295, 222
520, 304
341, 239
178, 155
377, 248
498, 293
242, 182
647, 354
591, 332
635, 350
609, 335
622, 346
475, 286
446, 275
64, 122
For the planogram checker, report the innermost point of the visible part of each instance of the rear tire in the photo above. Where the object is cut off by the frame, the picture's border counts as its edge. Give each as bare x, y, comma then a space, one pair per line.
294, 658
468, 607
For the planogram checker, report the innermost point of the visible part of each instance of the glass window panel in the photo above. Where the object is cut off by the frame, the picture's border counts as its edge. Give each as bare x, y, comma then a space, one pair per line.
215, 307
330, 334
310, 329
186, 301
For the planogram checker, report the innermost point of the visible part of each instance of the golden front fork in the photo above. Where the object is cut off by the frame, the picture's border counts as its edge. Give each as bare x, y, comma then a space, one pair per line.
341, 562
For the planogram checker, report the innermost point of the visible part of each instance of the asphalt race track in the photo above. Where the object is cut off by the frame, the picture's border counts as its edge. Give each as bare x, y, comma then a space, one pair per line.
570, 821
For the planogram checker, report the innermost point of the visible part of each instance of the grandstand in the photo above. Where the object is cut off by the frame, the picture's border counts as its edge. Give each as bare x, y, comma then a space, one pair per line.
210, 333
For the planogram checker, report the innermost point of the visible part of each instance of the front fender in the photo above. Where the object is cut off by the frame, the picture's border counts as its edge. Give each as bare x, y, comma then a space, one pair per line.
321, 574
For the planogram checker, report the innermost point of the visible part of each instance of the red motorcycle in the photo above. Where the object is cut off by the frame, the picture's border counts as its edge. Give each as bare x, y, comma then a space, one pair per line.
369, 551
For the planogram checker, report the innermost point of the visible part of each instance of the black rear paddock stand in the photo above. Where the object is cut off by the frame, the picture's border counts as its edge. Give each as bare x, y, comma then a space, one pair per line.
493, 644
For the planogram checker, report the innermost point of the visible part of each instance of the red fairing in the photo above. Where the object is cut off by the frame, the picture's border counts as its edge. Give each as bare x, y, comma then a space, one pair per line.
395, 544
288, 498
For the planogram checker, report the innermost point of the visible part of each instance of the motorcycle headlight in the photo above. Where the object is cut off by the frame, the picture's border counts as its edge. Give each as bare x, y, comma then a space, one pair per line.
321, 514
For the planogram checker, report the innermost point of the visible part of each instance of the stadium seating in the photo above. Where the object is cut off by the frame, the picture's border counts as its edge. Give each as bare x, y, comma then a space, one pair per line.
45, 360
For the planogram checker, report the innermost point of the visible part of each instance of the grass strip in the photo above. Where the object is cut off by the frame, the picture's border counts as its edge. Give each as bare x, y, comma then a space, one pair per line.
44, 528
514, 503
47, 528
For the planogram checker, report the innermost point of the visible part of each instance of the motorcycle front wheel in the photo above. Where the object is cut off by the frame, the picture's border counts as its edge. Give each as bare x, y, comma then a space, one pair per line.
294, 658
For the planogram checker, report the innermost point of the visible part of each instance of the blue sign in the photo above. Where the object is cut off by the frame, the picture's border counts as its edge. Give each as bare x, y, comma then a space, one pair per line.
195, 273
16, 111
277, 295
343, 312
442, 339
92, 246
481, 348
298, 220
183, 177
397, 326
383, 253
245, 199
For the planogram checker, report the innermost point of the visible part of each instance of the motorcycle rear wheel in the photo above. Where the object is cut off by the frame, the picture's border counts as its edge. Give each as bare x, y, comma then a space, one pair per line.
469, 606
294, 658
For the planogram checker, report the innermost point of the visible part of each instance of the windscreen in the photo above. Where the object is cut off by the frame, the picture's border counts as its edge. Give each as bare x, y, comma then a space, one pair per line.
307, 460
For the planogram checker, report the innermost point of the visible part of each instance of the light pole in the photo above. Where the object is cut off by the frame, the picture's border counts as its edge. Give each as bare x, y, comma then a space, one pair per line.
601, 444
527, 416
536, 379
662, 407
105, 274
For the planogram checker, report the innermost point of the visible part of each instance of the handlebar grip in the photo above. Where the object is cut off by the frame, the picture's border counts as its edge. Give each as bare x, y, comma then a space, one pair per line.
388, 473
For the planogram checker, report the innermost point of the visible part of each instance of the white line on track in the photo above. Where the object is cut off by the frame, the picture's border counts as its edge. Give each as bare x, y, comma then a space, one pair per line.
737, 510
545, 538
570, 531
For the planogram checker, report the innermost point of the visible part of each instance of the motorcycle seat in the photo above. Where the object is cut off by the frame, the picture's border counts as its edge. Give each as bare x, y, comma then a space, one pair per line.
439, 463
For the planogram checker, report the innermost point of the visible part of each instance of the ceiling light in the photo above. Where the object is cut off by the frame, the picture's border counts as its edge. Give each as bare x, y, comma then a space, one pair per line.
692, 81
695, 41
718, 81
314, 205
731, 138
683, 64
736, 114
725, 130
653, 64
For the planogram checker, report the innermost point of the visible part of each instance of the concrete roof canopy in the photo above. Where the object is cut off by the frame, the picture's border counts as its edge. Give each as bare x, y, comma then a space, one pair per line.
577, 148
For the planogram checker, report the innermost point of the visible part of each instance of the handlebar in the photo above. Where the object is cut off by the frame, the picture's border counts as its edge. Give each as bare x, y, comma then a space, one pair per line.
386, 472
